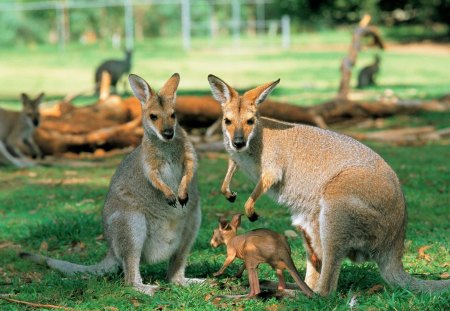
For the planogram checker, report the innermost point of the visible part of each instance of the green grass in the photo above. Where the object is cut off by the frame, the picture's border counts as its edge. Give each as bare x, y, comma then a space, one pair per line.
61, 206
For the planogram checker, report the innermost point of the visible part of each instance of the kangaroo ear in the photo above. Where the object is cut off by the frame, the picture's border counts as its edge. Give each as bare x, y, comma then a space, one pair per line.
236, 221
223, 223
259, 94
170, 87
140, 88
221, 91
24, 98
38, 99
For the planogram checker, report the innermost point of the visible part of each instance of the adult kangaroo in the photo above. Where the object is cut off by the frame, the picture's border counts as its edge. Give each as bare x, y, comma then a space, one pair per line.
344, 197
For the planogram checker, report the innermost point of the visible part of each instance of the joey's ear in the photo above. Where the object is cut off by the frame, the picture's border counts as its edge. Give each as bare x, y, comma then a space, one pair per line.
38, 99
221, 91
223, 223
140, 88
236, 221
259, 94
24, 98
170, 87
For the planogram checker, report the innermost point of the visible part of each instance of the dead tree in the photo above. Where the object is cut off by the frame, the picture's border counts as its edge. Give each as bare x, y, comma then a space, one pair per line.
363, 30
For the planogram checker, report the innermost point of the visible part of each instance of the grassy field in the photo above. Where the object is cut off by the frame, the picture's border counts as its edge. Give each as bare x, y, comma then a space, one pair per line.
56, 210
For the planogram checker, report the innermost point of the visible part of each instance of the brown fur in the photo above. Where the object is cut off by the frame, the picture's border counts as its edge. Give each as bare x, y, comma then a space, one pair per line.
256, 247
343, 195
16, 132
139, 222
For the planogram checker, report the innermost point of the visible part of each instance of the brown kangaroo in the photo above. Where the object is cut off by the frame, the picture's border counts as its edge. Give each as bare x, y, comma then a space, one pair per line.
256, 247
138, 222
344, 196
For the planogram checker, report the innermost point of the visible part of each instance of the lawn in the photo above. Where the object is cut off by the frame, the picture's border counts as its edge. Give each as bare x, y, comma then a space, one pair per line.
56, 210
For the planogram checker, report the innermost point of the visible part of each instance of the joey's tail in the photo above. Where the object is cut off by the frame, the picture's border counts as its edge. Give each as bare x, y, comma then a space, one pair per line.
108, 264
392, 271
294, 273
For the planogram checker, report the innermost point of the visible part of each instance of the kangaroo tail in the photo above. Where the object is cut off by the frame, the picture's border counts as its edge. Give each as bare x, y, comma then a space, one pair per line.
108, 264
294, 273
393, 273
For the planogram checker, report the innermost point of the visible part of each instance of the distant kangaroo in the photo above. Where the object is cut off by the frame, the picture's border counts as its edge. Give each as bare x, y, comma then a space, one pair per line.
366, 76
115, 67
16, 132
345, 198
152, 210
256, 247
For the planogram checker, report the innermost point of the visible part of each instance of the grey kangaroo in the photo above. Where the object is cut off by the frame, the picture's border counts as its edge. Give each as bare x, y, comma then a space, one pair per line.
16, 132
152, 210
343, 196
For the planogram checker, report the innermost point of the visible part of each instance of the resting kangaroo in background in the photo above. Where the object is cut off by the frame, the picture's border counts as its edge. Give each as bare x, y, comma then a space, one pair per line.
16, 132
152, 210
256, 247
345, 198
366, 76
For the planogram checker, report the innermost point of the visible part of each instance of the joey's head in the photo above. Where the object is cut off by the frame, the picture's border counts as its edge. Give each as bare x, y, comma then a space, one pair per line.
31, 107
158, 109
240, 113
226, 230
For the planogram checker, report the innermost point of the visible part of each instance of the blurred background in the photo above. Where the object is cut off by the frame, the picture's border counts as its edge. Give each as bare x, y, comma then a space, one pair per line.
55, 46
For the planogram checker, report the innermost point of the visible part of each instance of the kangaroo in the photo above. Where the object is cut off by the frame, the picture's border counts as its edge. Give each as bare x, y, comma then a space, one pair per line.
115, 67
152, 209
256, 247
366, 76
16, 132
343, 196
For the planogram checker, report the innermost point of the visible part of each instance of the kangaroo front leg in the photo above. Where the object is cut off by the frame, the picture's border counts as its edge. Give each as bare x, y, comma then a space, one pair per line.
267, 180
155, 179
35, 150
189, 169
228, 261
230, 195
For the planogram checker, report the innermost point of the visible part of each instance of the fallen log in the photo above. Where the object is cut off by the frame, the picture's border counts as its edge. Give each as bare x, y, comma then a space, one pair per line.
115, 123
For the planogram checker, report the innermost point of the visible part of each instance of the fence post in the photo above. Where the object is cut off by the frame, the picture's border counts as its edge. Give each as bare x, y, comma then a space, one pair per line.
186, 23
236, 12
61, 25
129, 24
286, 31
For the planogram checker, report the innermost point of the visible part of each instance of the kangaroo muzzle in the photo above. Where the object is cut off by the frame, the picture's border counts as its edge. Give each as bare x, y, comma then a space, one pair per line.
239, 140
168, 133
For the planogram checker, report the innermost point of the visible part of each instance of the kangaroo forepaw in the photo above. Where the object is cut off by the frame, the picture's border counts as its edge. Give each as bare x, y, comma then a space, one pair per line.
183, 201
253, 217
231, 197
172, 200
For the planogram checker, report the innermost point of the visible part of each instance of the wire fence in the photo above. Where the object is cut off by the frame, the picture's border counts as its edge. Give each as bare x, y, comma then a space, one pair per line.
122, 22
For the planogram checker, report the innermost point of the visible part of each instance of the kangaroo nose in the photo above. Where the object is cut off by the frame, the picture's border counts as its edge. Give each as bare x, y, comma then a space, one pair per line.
168, 133
238, 142
35, 122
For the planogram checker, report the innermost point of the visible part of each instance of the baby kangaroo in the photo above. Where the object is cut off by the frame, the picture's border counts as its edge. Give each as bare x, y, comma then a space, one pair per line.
152, 210
345, 198
256, 247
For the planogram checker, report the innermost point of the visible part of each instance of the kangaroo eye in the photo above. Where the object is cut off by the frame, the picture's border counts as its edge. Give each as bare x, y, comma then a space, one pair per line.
154, 117
251, 121
227, 121
173, 115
